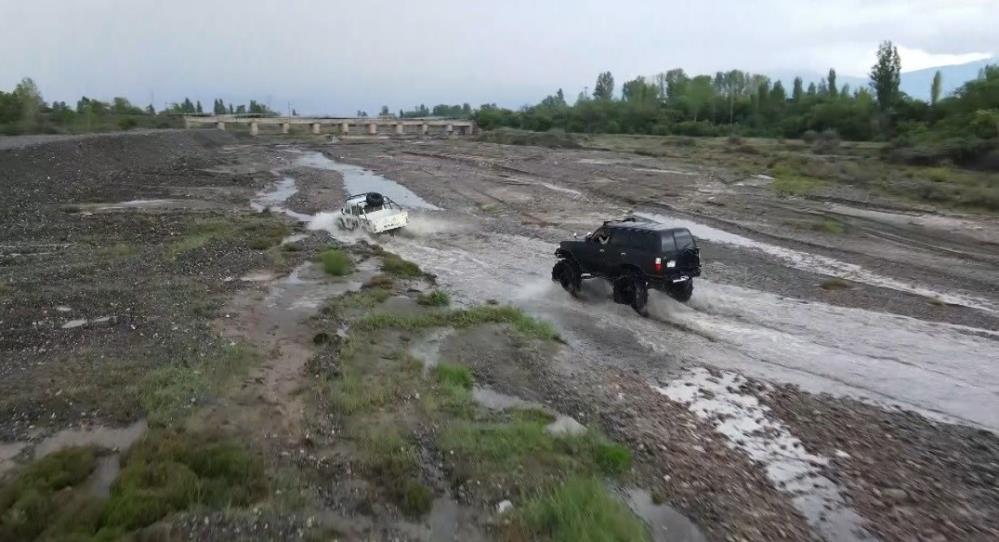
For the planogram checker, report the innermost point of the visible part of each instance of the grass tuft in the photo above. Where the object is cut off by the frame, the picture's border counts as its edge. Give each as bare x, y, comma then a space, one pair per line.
454, 375
463, 318
396, 265
336, 262
581, 510
436, 298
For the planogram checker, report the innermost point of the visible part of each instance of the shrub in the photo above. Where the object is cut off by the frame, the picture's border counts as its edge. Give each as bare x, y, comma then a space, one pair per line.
336, 262
436, 298
809, 136
827, 142
396, 265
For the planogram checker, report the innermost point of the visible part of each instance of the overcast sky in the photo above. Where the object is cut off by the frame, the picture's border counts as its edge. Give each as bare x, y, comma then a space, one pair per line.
338, 56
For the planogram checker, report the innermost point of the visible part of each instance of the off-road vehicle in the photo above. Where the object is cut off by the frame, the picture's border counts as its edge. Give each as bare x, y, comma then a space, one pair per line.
372, 212
634, 255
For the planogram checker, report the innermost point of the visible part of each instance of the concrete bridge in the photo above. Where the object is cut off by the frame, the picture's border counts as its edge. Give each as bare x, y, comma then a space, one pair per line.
370, 126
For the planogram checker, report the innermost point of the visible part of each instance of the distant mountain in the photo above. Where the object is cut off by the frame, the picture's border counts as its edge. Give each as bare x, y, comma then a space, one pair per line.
915, 83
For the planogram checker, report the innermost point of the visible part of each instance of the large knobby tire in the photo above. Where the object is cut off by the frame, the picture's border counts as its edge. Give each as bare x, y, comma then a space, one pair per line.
681, 291
632, 289
567, 274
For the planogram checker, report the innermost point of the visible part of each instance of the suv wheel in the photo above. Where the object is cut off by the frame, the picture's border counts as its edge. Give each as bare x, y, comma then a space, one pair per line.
682, 291
631, 289
567, 274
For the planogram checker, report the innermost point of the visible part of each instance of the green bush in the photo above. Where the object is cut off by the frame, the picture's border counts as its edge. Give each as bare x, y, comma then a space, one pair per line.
396, 265
336, 262
436, 298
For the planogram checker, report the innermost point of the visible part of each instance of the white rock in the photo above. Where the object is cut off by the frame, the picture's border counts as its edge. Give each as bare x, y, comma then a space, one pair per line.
504, 507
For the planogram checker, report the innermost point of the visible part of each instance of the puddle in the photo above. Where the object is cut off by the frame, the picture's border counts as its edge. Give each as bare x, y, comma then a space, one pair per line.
664, 522
357, 180
558, 188
451, 521
756, 180
294, 238
666, 171
748, 427
494, 400
107, 469
112, 438
8, 451
283, 189
819, 264
79, 322
140, 203
74, 323
428, 348
258, 276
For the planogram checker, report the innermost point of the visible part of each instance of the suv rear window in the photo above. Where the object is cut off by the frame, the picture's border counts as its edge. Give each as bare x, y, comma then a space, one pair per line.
684, 240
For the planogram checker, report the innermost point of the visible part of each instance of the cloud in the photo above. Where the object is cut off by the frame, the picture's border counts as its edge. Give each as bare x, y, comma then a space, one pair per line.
337, 56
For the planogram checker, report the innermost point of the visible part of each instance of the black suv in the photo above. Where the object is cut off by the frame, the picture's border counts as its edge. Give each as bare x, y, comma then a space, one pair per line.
633, 255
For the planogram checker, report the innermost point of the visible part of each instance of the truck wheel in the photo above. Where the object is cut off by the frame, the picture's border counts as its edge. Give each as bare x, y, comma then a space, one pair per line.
632, 289
682, 291
567, 274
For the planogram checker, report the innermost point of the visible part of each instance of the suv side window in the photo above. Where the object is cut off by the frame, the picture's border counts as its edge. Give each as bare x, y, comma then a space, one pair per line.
669, 245
684, 240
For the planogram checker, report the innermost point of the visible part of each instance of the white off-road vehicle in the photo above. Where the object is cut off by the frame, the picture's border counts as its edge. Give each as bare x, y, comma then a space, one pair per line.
373, 213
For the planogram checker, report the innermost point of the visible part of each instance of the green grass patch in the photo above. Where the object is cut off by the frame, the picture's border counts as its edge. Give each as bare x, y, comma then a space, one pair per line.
829, 225
454, 375
29, 502
336, 262
521, 448
163, 473
393, 463
580, 510
257, 232
394, 264
168, 394
169, 471
463, 318
436, 298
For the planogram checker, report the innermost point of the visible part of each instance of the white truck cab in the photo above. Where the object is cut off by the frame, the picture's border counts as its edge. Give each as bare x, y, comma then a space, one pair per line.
373, 213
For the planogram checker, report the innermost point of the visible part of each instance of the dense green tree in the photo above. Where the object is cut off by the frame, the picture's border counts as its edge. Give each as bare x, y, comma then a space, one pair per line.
604, 88
831, 78
886, 76
936, 87
797, 92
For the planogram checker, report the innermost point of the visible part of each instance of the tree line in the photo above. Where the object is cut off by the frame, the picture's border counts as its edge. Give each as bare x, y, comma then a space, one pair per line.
962, 127
23, 110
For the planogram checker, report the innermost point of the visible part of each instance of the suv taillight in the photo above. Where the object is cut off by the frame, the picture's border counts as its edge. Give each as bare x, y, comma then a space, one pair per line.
659, 265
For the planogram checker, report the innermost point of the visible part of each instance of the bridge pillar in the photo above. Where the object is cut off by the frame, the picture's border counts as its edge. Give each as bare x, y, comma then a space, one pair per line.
372, 128
315, 128
450, 129
425, 128
187, 123
344, 128
254, 128
285, 127
399, 128
220, 125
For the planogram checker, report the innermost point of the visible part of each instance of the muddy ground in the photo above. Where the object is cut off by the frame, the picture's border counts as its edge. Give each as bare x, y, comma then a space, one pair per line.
825, 381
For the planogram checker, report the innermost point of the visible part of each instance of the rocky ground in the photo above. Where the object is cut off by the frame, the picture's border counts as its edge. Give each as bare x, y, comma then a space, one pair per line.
825, 382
